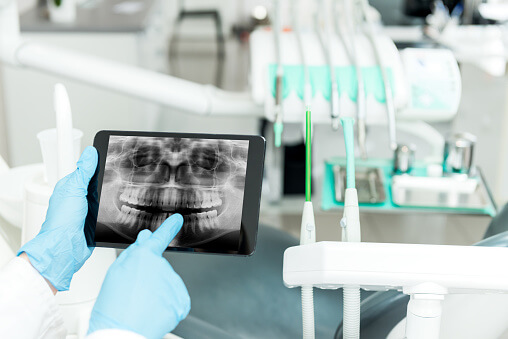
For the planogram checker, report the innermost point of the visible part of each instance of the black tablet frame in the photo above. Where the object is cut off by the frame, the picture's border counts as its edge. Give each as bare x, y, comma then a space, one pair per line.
252, 191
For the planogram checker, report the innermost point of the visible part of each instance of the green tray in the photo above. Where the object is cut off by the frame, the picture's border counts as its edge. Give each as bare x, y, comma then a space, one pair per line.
329, 202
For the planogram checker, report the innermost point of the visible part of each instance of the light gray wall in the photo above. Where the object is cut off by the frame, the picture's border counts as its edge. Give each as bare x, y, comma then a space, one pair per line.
3, 126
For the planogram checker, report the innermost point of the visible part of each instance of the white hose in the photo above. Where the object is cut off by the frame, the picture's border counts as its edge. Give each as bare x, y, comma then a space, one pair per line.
351, 321
308, 312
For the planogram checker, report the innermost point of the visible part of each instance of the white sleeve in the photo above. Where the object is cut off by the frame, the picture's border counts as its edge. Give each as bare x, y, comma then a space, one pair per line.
28, 309
114, 334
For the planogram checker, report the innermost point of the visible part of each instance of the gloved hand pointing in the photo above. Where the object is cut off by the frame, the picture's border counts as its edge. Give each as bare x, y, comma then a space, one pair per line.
141, 292
60, 248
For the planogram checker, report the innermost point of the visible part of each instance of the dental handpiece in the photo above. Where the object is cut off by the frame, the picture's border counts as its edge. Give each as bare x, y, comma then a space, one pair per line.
278, 123
350, 47
362, 131
390, 106
334, 95
390, 109
326, 48
362, 128
335, 105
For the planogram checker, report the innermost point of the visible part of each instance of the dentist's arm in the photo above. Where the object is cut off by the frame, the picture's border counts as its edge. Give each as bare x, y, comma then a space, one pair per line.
48, 262
27, 305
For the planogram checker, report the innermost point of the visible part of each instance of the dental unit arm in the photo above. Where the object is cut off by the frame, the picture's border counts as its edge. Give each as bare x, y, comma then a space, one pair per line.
425, 272
130, 80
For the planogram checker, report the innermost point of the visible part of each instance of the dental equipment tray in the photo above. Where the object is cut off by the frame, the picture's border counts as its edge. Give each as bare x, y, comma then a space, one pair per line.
380, 190
369, 184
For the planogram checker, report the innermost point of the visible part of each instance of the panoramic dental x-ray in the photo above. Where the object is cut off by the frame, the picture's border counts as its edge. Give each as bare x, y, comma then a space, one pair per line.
147, 179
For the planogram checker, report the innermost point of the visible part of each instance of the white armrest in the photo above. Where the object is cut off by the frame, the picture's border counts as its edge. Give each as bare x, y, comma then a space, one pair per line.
456, 269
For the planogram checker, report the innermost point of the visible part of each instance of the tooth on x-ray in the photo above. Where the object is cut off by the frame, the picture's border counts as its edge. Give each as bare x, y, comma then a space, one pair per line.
147, 179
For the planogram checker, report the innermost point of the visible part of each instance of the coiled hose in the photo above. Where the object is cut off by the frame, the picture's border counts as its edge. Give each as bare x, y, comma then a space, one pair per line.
351, 313
351, 319
308, 312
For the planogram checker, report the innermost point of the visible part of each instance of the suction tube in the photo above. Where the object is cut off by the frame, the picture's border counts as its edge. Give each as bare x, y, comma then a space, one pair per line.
351, 232
308, 233
308, 312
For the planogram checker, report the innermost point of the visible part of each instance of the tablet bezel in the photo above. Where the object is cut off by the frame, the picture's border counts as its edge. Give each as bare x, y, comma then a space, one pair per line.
252, 191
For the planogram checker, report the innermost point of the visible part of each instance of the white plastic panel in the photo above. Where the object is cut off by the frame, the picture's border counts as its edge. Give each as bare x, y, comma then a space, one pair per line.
457, 269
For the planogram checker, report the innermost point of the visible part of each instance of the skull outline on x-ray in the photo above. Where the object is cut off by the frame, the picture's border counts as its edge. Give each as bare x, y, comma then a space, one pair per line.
146, 179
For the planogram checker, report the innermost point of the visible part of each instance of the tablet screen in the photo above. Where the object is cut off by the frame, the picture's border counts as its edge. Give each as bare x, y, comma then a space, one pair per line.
146, 179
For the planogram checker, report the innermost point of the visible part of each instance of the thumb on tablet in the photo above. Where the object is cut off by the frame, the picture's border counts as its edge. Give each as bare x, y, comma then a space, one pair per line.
166, 232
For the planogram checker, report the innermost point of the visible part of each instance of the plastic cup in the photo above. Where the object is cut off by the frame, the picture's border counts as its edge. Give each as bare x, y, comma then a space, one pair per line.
49, 149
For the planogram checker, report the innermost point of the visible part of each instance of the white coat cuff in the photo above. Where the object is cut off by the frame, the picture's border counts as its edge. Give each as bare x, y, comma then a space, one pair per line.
28, 306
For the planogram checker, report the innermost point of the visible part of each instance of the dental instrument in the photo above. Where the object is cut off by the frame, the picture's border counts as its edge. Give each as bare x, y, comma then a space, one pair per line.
308, 232
387, 86
350, 224
325, 42
307, 87
351, 46
278, 125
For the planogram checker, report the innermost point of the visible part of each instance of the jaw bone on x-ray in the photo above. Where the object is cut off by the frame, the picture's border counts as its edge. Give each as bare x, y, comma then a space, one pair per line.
147, 179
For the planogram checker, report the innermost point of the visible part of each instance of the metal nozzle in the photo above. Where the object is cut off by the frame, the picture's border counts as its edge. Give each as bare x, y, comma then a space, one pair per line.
334, 101
362, 132
335, 123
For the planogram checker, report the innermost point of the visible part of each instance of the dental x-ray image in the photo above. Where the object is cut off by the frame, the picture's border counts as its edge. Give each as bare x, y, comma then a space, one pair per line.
147, 179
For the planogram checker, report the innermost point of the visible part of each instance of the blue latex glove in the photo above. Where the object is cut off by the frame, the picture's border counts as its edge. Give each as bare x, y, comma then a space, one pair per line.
60, 248
141, 292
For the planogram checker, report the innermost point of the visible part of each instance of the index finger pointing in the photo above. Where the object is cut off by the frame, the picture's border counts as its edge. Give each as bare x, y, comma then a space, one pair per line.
166, 232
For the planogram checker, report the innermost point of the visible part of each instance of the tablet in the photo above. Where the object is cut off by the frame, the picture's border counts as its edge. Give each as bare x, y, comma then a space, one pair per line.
214, 181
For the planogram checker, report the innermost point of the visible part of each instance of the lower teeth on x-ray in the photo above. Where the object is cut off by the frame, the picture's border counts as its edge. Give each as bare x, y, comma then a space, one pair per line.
147, 179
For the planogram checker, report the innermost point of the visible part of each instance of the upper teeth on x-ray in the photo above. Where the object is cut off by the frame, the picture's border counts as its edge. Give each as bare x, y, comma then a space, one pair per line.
147, 179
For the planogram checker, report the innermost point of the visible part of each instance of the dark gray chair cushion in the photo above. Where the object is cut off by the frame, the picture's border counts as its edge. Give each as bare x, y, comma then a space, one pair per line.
244, 297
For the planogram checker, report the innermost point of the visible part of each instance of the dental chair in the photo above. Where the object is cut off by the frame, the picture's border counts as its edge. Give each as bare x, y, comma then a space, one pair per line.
382, 311
244, 297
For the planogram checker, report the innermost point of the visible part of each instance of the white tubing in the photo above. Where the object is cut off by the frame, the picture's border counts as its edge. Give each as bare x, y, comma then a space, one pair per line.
9, 30
308, 312
351, 318
351, 321
308, 236
135, 81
